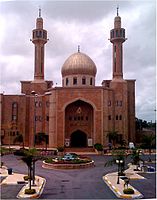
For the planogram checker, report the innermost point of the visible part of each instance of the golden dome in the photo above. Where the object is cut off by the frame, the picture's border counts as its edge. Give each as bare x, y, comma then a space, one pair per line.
79, 63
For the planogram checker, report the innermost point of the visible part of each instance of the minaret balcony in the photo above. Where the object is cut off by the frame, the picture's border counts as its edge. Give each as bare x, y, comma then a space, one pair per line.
117, 34
39, 34
117, 39
39, 41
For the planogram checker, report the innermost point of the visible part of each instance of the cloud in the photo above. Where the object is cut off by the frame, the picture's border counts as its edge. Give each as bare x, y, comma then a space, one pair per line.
84, 23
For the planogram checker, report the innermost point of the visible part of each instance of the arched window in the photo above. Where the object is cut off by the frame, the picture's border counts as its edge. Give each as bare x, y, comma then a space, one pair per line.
45, 35
83, 81
124, 33
14, 105
14, 111
91, 81
120, 32
67, 81
74, 81
37, 34
40, 33
116, 33
109, 117
40, 104
33, 34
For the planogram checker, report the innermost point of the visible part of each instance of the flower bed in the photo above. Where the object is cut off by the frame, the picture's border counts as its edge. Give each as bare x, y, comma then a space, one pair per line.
80, 162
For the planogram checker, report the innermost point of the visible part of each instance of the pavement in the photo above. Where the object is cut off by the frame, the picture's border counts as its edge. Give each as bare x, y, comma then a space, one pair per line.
16, 178
111, 180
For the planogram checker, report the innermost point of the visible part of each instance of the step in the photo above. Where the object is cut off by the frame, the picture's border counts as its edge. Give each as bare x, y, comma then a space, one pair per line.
80, 150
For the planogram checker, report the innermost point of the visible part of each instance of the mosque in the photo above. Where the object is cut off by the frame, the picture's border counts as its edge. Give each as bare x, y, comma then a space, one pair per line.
79, 113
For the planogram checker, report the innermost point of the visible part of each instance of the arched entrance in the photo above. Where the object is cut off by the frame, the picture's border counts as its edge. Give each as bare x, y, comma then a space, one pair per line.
79, 124
78, 139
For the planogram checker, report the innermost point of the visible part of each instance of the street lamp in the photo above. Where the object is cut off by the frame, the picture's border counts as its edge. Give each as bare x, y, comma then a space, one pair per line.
119, 162
35, 96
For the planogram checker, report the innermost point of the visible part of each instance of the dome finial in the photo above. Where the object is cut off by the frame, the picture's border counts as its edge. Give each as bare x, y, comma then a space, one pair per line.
78, 48
39, 12
117, 9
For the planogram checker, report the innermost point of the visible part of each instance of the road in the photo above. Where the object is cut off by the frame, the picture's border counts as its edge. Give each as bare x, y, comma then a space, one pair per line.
74, 184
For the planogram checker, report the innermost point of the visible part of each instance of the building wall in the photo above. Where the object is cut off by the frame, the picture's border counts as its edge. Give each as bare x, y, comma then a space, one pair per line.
131, 110
11, 126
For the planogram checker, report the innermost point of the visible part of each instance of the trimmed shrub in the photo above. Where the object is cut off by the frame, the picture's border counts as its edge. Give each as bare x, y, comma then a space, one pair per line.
60, 149
128, 191
98, 147
75, 161
49, 160
1, 164
19, 152
28, 191
121, 173
26, 178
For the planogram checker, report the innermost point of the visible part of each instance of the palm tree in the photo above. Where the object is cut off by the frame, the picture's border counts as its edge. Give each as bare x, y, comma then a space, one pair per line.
148, 141
118, 155
19, 139
28, 160
30, 157
113, 135
122, 143
135, 156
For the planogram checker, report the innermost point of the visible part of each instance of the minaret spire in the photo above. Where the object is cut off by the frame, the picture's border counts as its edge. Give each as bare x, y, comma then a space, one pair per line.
39, 39
78, 48
117, 37
39, 12
117, 9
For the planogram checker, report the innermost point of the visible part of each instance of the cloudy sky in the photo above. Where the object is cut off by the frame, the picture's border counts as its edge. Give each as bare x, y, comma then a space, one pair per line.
84, 23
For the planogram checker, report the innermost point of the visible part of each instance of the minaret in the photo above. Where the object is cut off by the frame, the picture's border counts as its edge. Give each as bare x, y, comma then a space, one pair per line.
117, 37
39, 39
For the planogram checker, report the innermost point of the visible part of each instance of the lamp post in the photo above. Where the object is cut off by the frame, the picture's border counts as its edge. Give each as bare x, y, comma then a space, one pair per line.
35, 96
119, 162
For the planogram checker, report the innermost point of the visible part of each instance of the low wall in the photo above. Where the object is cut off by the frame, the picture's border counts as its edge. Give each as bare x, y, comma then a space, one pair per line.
67, 166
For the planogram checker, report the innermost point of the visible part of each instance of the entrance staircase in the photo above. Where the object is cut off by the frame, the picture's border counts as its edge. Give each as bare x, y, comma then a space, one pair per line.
80, 151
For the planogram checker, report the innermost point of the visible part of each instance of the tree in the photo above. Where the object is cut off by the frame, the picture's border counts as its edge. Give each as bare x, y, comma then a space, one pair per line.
118, 155
19, 139
98, 147
30, 157
113, 135
148, 141
122, 143
42, 137
135, 156
138, 124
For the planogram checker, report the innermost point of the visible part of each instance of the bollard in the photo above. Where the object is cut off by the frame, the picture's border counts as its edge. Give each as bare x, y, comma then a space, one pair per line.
10, 171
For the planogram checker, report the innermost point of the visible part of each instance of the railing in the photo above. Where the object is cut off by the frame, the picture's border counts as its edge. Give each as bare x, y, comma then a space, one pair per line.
129, 151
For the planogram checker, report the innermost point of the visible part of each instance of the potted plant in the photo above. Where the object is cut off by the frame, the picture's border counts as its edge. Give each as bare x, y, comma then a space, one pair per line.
128, 191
